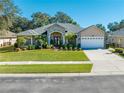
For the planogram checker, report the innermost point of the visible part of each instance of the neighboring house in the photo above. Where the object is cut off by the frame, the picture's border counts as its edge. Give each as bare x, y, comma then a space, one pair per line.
91, 37
7, 38
116, 38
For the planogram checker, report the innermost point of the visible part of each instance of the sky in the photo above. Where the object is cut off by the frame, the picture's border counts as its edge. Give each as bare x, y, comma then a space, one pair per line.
84, 12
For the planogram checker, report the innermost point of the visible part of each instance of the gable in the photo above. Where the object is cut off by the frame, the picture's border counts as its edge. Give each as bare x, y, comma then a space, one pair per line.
55, 28
66, 26
92, 31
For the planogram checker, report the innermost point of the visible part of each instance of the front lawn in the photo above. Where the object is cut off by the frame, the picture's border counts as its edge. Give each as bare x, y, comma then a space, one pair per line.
42, 55
47, 68
7, 49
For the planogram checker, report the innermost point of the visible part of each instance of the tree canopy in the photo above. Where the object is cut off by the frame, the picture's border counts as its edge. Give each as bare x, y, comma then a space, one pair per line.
20, 24
11, 19
61, 17
101, 27
116, 25
7, 11
39, 19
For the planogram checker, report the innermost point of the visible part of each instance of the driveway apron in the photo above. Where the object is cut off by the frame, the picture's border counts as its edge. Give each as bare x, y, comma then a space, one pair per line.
105, 62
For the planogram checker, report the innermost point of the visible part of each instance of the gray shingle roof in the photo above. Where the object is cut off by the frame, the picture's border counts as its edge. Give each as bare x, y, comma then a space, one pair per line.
70, 27
27, 33
118, 33
43, 29
38, 31
5, 33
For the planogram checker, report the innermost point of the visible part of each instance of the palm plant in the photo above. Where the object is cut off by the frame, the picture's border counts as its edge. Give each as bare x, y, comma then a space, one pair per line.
71, 38
41, 40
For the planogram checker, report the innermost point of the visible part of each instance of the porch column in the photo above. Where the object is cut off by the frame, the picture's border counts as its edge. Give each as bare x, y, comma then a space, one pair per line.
63, 36
48, 38
31, 40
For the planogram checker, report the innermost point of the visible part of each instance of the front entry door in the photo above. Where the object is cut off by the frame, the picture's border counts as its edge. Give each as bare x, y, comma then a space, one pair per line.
56, 40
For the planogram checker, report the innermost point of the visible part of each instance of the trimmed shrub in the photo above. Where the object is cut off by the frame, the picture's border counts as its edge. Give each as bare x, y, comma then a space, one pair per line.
70, 48
44, 45
21, 41
79, 49
122, 54
31, 47
17, 49
50, 46
78, 46
24, 49
61, 48
119, 50
110, 45
75, 48
66, 48
16, 45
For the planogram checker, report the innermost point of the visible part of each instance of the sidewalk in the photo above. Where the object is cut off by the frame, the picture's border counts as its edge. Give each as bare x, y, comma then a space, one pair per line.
44, 62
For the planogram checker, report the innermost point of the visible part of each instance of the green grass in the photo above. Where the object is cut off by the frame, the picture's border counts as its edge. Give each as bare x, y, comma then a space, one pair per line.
41, 55
47, 68
7, 49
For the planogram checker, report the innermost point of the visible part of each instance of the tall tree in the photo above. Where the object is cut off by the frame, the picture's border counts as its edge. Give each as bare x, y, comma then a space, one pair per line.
62, 17
20, 24
101, 27
7, 11
53, 19
40, 19
122, 24
114, 26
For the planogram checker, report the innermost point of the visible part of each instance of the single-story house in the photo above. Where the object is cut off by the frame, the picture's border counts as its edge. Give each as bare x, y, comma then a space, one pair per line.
90, 37
7, 38
117, 38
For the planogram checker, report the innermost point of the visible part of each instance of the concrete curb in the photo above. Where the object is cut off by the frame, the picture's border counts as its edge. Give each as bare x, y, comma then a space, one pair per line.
60, 75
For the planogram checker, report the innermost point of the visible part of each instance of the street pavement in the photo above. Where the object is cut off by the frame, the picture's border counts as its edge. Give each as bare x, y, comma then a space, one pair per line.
83, 84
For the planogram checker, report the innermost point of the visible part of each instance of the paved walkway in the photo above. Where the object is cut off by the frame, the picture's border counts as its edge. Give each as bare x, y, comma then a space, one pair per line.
44, 62
105, 61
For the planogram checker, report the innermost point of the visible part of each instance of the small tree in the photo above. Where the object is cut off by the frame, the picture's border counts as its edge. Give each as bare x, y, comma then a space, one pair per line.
21, 41
41, 40
71, 37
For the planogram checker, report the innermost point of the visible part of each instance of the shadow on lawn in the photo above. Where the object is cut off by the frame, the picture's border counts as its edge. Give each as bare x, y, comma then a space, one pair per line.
7, 49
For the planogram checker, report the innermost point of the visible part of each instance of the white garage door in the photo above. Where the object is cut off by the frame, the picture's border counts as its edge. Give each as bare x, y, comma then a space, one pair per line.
92, 42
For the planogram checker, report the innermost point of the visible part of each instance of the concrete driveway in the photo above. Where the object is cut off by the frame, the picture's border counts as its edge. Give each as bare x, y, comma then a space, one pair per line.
105, 62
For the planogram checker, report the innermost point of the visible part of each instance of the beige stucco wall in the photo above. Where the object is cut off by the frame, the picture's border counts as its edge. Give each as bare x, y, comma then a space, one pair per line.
7, 40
